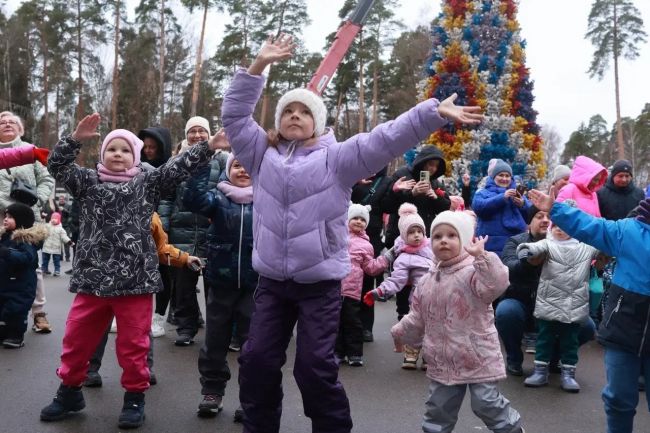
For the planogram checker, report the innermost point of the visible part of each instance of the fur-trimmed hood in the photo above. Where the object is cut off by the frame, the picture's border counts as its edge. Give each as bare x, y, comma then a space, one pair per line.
34, 235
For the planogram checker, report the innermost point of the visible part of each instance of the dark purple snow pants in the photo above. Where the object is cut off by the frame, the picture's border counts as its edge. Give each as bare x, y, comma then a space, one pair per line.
316, 308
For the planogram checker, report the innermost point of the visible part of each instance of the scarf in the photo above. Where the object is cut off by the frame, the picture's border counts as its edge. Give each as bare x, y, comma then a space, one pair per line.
237, 194
106, 175
410, 249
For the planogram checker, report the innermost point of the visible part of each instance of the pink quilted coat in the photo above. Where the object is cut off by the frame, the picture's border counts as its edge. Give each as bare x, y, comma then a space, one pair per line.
452, 319
363, 261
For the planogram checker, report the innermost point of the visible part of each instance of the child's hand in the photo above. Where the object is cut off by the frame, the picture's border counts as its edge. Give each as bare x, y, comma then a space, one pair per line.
370, 297
644, 211
543, 202
421, 188
402, 184
476, 246
219, 141
466, 179
399, 347
194, 263
273, 50
459, 113
41, 155
87, 128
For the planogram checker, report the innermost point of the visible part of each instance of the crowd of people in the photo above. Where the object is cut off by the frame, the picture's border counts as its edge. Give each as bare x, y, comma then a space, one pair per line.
286, 228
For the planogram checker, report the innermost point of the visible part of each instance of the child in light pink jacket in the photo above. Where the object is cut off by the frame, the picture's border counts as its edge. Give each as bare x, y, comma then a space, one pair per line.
587, 177
349, 343
413, 261
452, 318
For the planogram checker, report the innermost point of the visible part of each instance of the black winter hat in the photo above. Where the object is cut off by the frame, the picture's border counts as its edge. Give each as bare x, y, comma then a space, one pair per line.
622, 165
532, 211
22, 214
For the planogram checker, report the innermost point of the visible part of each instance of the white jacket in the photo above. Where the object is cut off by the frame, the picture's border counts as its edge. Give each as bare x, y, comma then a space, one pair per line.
57, 237
563, 291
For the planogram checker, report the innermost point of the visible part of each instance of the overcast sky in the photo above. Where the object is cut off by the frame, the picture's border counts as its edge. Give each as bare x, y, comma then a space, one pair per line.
557, 55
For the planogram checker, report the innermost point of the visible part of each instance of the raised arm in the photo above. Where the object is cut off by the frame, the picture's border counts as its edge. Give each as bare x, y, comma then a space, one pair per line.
196, 197
490, 278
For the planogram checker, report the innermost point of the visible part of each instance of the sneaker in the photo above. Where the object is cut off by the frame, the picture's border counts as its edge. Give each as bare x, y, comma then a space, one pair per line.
514, 370
410, 363
157, 325
68, 272
132, 415
41, 325
184, 340
46, 272
113, 326
210, 406
93, 380
355, 361
239, 415
13, 343
234, 346
68, 399
367, 336
56, 274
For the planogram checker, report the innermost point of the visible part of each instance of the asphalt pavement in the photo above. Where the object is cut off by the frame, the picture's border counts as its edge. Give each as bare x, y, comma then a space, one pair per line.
383, 397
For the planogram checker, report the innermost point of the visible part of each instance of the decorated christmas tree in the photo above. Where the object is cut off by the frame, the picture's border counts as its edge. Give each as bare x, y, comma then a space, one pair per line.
478, 53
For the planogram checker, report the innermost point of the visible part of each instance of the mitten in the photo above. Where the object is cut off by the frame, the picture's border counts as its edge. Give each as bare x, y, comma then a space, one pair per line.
390, 255
370, 297
523, 253
644, 211
41, 155
4, 252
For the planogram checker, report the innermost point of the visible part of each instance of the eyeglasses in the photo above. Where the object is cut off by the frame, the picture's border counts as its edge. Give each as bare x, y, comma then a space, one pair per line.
8, 122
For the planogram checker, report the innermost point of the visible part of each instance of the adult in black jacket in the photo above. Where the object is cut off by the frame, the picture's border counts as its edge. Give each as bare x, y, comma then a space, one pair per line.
371, 192
422, 195
514, 311
430, 159
157, 147
619, 195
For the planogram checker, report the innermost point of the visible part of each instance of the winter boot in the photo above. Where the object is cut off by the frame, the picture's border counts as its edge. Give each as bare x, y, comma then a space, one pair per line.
568, 379
68, 399
132, 415
411, 356
539, 376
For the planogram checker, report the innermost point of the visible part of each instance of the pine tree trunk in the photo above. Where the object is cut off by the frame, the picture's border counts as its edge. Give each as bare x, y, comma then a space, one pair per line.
197, 72
362, 92
45, 142
57, 115
338, 113
116, 70
162, 62
375, 94
80, 83
620, 145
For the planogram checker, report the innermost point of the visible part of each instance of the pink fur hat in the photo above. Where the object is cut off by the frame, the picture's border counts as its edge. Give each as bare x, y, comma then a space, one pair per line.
133, 141
408, 217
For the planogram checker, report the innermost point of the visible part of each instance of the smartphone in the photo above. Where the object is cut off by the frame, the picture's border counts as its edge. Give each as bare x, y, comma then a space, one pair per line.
196, 267
424, 176
521, 190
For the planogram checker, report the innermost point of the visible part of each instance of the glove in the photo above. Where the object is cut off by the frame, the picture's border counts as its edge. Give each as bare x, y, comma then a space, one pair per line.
4, 253
389, 255
41, 155
644, 211
370, 297
523, 253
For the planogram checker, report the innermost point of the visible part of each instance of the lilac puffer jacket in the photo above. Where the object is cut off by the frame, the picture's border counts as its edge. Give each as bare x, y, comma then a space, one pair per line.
410, 265
363, 261
302, 196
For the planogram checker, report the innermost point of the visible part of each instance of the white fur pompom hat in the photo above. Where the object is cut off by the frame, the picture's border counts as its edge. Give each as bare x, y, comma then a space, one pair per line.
311, 101
408, 217
359, 210
460, 221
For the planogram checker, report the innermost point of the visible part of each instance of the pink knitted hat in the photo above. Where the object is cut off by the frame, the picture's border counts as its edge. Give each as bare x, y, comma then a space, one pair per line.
408, 217
134, 142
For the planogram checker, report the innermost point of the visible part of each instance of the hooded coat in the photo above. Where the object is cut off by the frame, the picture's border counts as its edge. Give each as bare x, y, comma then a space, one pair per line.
302, 193
498, 218
163, 139
563, 291
584, 170
615, 203
452, 318
428, 208
18, 269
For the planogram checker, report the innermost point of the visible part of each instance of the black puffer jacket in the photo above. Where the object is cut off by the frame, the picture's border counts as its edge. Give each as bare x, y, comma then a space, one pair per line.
373, 194
230, 236
616, 202
187, 231
428, 208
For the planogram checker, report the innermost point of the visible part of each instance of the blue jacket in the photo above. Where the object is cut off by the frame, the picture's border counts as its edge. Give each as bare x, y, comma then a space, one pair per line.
498, 218
229, 237
626, 320
18, 269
